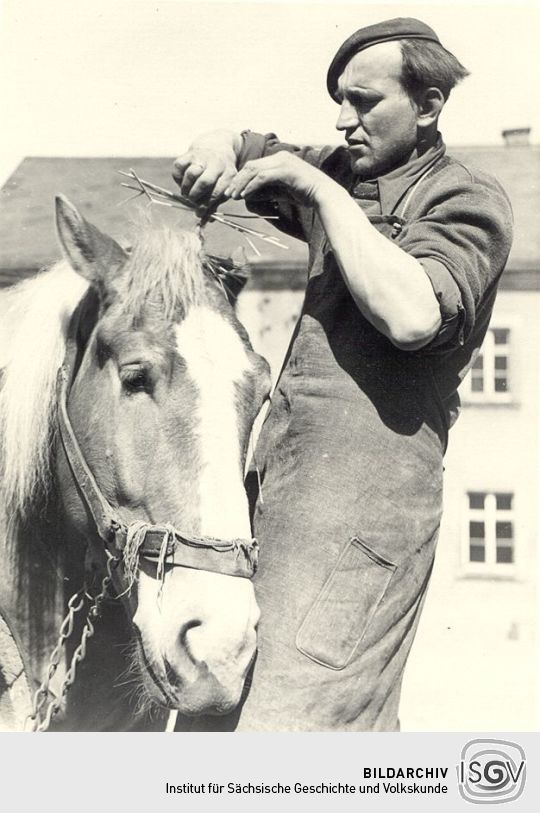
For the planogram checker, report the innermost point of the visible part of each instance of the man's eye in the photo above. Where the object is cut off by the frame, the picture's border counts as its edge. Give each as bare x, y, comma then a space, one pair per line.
135, 379
364, 100
361, 103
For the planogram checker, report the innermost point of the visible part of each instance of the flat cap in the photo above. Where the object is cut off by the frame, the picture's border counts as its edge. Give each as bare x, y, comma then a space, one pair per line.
397, 29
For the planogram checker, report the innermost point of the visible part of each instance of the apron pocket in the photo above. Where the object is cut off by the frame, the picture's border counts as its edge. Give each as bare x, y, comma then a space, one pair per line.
341, 613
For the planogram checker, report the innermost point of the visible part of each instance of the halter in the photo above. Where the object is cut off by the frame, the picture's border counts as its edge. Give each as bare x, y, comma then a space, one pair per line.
161, 543
124, 544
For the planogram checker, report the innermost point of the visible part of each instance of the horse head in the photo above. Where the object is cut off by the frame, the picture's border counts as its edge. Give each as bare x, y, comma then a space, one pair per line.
162, 401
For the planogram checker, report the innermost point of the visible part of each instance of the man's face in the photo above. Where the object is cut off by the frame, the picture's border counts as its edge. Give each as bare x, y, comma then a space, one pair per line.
377, 115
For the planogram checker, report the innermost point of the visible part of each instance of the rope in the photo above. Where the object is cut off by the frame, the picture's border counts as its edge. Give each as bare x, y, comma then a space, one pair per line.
136, 533
169, 534
160, 575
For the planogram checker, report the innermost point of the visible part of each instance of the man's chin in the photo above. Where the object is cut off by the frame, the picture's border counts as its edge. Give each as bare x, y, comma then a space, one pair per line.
363, 167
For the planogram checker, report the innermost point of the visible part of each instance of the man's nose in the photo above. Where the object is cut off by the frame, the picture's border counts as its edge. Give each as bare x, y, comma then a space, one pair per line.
348, 117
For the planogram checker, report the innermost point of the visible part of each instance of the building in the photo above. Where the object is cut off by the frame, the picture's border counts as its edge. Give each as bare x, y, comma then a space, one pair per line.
473, 665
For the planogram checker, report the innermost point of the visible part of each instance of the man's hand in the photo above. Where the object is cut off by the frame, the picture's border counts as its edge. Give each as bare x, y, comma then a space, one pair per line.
296, 177
208, 167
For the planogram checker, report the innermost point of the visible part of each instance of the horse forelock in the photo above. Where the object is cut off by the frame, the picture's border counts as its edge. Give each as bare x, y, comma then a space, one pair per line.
37, 313
165, 267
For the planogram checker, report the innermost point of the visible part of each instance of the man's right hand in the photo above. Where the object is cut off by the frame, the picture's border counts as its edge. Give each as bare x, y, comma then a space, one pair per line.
208, 167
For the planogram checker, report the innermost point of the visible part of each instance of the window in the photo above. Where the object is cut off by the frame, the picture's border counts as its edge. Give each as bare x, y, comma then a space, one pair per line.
489, 378
489, 544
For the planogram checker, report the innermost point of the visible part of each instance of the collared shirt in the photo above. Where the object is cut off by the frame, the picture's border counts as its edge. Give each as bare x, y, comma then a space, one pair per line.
394, 185
457, 223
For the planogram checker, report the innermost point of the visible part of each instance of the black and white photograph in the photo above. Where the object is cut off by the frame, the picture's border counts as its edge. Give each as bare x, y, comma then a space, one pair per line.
269, 367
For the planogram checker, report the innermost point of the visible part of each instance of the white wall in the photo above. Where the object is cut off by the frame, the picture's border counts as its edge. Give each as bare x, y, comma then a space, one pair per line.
474, 662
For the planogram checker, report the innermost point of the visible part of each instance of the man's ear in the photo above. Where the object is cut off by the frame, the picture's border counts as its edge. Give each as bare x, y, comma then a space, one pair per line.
94, 255
429, 106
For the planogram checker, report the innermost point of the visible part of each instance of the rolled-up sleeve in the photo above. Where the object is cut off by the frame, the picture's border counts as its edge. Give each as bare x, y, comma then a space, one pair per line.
254, 145
448, 296
257, 145
287, 215
462, 241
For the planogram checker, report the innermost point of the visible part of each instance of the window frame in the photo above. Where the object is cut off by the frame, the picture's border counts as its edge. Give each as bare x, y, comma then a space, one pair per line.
489, 515
488, 351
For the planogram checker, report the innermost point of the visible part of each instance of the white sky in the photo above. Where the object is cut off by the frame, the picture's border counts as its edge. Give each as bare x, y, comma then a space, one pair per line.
138, 77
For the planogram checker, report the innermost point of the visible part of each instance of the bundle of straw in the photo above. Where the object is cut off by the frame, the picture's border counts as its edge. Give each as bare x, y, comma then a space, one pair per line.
231, 275
156, 194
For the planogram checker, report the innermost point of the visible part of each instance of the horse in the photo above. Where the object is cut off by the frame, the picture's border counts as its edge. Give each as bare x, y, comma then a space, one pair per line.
128, 393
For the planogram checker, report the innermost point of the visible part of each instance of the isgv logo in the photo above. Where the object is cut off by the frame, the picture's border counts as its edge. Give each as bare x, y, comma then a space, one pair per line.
491, 771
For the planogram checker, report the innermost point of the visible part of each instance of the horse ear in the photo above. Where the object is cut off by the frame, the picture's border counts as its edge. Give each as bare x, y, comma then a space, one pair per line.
94, 255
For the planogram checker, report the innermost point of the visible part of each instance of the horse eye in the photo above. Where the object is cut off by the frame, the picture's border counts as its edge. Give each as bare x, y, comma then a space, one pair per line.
135, 379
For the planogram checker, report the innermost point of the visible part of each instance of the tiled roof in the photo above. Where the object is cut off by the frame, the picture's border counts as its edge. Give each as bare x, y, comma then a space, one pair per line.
518, 170
27, 231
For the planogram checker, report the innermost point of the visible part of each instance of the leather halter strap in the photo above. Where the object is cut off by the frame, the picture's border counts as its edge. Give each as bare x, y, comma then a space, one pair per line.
235, 557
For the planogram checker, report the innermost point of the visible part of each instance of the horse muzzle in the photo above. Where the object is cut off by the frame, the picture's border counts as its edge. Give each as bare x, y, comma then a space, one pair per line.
195, 653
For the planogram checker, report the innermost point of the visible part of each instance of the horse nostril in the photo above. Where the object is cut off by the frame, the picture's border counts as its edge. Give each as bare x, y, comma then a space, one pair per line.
183, 639
181, 660
172, 675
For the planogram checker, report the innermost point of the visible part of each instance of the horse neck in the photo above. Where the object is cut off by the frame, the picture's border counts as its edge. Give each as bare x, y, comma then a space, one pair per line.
43, 566
32, 580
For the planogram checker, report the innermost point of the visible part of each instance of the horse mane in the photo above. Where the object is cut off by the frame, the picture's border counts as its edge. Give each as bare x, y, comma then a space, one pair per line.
163, 263
166, 266
38, 315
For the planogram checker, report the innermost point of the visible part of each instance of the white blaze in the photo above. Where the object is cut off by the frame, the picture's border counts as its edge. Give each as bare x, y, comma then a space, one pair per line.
216, 359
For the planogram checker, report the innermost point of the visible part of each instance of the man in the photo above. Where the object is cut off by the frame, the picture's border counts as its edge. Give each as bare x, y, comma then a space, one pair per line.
406, 248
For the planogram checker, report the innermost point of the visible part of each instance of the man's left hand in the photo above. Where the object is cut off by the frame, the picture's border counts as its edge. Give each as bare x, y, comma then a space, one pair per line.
283, 169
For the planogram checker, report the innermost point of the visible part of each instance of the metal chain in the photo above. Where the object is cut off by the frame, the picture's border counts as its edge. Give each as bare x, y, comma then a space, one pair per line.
41, 718
75, 604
